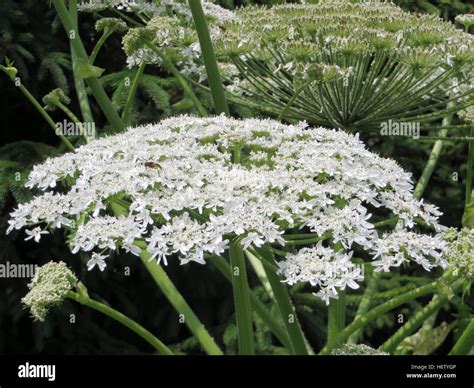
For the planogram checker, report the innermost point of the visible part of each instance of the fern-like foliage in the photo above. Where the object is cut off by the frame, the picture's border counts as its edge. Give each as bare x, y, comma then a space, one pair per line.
54, 64
16, 161
154, 97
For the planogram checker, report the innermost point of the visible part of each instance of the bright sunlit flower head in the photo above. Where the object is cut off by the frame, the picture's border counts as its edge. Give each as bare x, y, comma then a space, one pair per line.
187, 186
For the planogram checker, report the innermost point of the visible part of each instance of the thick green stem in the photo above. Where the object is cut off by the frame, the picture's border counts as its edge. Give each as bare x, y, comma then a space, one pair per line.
123, 319
180, 305
259, 270
79, 82
285, 305
465, 342
470, 161
413, 324
131, 95
243, 309
209, 58
336, 320
179, 77
259, 308
80, 52
434, 156
364, 304
379, 310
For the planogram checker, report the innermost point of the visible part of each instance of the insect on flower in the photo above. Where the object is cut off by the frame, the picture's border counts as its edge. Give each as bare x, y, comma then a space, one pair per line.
152, 165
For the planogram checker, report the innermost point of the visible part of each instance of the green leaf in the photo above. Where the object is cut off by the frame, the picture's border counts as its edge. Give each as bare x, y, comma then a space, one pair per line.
86, 70
184, 104
425, 342
444, 289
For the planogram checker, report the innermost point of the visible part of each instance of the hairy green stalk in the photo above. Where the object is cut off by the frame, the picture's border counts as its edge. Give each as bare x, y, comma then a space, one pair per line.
265, 315
79, 82
243, 309
364, 304
470, 161
121, 318
209, 58
178, 302
97, 90
336, 320
379, 310
131, 95
259, 270
179, 77
465, 343
285, 305
413, 324
434, 156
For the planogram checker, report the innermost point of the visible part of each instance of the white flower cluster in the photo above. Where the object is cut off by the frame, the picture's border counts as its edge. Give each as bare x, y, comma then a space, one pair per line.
460, 250
187, 186
157, 8
466, 20
323, 268
48, 288
357, 350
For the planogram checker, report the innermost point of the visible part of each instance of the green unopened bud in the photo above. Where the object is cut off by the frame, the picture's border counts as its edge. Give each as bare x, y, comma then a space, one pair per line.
10, 71
110, 25
137, 38
54, 98
48, 288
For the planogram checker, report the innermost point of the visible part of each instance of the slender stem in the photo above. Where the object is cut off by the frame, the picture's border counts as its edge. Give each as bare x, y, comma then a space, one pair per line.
209, 58
127, 18
80, 52
105, 35
243, 309
178, 302
293, 98
46, 116
434, 156
123, 319
79, 82
285, 305
465, 342
259, 270
259, 308
131, 95
75, 120
470, 161
364, 304
336, 320
179, 77
381, 309
414, 323
389, 222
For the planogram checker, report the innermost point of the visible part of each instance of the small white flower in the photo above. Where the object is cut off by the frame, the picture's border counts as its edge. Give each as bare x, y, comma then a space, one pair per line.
35, 234
97, 260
